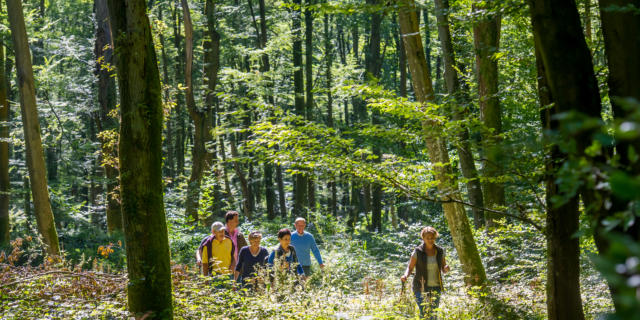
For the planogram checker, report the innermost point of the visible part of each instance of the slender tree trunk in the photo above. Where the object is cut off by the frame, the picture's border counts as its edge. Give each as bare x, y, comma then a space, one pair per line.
437, 149
587, 19
486, 39
427, 36
281, 194
300, 180
31, 125
170, 164
373, 65
568, 72
201, 157
178, 115
328, 48
5, 182
244, 184
402, 64
465, 154
140, 151
107, 101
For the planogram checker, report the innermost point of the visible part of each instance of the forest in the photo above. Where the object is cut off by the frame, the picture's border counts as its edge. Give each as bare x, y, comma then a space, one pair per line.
130, 130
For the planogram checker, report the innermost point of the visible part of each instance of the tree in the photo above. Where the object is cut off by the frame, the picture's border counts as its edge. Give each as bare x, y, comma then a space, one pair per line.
300, 179
486, 39
568, 72
107, 124
31, 126
5, 183
140, 151
460, 99
437, 149
201, 156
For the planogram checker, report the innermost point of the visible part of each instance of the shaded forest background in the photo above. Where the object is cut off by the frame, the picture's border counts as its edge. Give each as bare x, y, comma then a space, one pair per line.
510, 126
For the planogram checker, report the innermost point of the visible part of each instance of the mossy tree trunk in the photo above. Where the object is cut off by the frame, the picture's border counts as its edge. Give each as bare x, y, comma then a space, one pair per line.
437, 149
31, 125
140, 151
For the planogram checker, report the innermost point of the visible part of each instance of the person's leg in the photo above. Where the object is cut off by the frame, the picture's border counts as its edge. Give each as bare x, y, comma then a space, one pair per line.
433, 294
307, 270
420, 302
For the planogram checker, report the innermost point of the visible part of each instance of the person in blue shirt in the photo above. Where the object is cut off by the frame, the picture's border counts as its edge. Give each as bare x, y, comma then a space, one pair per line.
249, 259
284, 256
305, 243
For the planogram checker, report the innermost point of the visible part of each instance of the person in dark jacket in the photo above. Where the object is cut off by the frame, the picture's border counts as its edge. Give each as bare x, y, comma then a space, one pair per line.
249, 259
284, 256
429, 262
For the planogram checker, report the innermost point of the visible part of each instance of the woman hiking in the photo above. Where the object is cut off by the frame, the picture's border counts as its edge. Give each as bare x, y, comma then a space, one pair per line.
429, 262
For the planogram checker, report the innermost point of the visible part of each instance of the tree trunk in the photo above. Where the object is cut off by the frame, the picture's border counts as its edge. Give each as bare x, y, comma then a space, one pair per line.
281, 194
244, 184
328, 48
201, 156
107, 101
300, 180
622, 46
437, 150
140, 151
568, 71
452, 83
178, 114
373, 65
486, 39
587, 19
31, 125
5, 182
427, 36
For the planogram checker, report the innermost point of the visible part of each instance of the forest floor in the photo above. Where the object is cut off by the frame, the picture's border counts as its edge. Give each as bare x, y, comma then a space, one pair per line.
360, 281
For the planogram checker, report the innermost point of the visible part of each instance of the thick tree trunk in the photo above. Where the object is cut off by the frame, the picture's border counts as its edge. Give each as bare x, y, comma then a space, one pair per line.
486, 39
436, 147
5, 183
300, 180
140, 151
465, 154
107, 101
31, 125
622, 46
568, 71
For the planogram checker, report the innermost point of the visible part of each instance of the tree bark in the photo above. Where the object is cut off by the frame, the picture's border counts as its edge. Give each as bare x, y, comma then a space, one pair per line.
201, 156
31, 125
140, 151
460, 100
107, 100
436, 147
5, 182
328, 48
568, 72
486, 39
622, 46
300, 180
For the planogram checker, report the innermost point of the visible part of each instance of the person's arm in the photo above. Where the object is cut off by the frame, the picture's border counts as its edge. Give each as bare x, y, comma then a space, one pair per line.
238, 267
412, 264
294, 260
198, 257
316, 252
232, 265
445, 266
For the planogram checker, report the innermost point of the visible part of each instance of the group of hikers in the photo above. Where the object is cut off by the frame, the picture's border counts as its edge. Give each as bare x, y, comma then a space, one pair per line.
226, 254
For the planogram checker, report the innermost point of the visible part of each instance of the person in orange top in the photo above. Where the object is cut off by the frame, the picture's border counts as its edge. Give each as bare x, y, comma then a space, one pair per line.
215, 253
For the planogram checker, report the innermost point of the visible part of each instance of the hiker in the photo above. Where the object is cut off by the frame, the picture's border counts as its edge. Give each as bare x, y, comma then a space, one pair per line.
429, 262
215, 253
249, 258
232, 232
284, 256
304, 243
